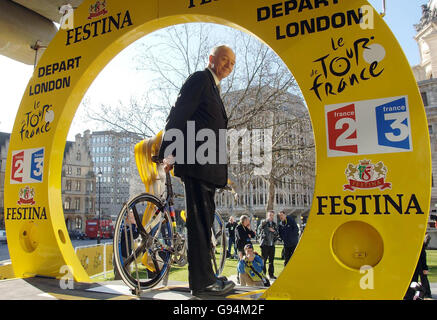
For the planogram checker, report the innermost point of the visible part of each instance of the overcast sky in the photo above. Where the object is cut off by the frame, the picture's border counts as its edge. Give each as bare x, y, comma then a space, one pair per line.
401, 16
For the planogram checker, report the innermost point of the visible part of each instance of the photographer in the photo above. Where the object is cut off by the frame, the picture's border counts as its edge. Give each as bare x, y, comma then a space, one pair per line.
250, 268
268, 231
243, 235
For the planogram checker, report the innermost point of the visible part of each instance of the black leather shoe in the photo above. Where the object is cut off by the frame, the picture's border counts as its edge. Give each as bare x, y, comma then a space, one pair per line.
219, 288
223, 278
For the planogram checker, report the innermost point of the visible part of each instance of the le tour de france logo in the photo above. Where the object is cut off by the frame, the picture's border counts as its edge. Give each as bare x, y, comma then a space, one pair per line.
366, 175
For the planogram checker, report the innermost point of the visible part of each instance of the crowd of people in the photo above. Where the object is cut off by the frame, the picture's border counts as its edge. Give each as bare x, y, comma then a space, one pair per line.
252, 267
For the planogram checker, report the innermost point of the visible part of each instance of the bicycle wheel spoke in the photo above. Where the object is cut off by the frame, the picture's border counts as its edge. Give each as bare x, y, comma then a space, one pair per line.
145, 265
157, 261
136, 253
137, 220
214, 261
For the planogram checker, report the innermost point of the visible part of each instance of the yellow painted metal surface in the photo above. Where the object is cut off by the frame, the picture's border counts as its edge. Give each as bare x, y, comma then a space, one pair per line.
109, 252
92, 259
372, 191
6, 271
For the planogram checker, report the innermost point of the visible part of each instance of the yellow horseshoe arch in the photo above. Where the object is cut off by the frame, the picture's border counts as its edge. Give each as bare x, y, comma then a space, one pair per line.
372, 192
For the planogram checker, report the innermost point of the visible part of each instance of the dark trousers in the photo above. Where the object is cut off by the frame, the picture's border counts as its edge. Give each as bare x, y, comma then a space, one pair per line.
288, 252
232, 244
425, 283
268, 253
423, 280
199, 201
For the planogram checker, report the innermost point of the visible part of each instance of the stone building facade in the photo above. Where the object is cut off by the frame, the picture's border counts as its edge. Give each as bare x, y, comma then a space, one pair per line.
113, 155
292, 169
4, 146
78, 183
426, 76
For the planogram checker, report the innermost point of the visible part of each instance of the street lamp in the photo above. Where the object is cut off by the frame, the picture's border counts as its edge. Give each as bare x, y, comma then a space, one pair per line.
99, 175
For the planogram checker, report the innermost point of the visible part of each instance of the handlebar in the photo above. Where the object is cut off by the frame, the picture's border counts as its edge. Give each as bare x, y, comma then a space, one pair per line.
156, 159
227, 188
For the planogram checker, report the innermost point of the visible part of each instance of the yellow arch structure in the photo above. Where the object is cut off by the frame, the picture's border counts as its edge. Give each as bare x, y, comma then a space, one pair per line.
372, 191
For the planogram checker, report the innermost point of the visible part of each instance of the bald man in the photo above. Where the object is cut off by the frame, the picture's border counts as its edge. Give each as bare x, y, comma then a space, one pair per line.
200, 107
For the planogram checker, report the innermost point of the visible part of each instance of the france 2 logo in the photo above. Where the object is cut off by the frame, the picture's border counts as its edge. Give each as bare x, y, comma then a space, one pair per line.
368, 127
27, 166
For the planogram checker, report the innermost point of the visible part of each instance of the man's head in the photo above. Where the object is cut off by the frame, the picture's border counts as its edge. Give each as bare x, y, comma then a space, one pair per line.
282, 215
270, 215
231, 219
248, 249
222, 61
244, 220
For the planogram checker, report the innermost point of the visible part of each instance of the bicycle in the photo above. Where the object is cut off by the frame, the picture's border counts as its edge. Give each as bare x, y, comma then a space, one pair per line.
154, 243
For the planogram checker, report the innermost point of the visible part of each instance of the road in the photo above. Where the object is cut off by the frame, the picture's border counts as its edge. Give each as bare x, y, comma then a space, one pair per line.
4, 252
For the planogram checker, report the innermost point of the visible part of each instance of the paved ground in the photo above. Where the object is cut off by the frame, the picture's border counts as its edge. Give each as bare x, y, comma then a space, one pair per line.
40, 288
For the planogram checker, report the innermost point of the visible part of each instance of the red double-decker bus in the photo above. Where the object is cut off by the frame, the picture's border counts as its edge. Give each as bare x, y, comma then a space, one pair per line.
106, 228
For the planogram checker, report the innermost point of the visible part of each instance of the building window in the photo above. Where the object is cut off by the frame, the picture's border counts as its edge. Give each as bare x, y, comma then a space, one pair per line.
78, 222
78, 156
77, 185
424, 98
69, 170
78, 171
430, 129
67, 204
77, 204
68, 185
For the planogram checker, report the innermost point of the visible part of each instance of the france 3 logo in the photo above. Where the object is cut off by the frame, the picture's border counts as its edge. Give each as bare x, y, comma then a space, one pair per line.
368, 127
27, 166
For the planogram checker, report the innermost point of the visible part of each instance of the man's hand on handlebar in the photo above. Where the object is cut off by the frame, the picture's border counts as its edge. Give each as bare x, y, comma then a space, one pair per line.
167, 162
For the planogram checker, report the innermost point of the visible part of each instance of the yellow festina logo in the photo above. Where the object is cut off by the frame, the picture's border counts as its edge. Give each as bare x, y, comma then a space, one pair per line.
366, 175
98, 9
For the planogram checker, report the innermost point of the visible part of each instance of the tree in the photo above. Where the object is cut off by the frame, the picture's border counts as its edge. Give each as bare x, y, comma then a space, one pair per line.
291, 154
260, 86
138, 116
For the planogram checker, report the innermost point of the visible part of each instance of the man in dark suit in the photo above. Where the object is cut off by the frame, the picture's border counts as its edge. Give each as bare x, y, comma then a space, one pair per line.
289, 233
198, 122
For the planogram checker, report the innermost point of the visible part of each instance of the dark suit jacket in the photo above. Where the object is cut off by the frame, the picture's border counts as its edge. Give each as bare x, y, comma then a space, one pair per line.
243, 236
199, 101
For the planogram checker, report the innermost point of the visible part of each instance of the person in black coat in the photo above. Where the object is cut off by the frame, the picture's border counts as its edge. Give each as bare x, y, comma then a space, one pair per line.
422, 272
268, 232
231, 226
199, 119
289, 233
243, 235
126, 244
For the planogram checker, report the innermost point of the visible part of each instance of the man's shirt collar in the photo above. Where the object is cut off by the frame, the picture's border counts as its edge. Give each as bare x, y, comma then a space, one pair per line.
217, 81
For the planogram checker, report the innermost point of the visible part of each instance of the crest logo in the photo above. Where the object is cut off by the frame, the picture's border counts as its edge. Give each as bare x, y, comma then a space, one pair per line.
26, 196
98, 9
366, 175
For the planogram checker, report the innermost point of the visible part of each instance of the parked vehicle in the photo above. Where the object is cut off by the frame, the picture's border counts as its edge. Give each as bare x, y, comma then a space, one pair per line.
106, 228
76, 235
3, 236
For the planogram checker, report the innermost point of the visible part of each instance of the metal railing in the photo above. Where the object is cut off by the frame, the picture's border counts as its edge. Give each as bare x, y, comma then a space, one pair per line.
96, 259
